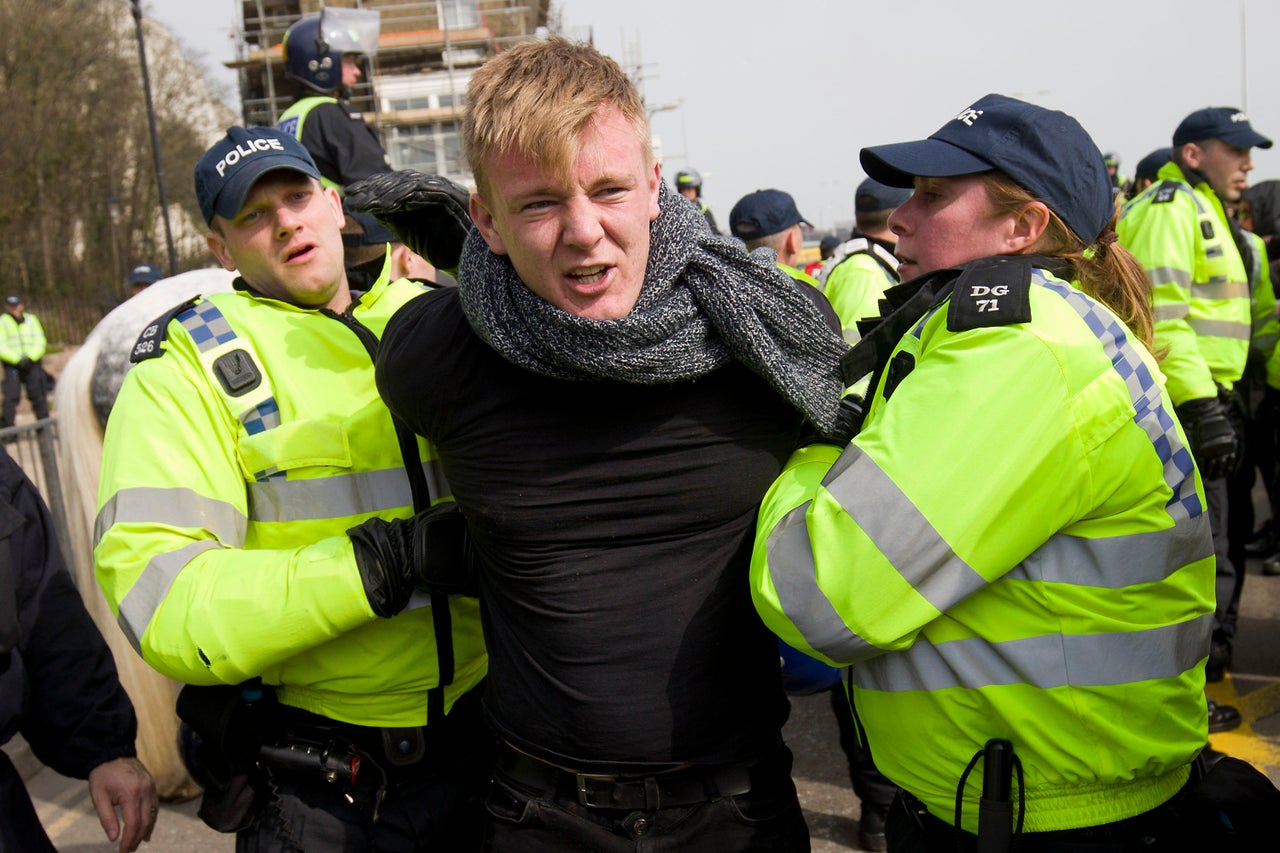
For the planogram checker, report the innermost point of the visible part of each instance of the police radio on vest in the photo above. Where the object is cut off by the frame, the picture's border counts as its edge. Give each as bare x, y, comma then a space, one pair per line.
244, 149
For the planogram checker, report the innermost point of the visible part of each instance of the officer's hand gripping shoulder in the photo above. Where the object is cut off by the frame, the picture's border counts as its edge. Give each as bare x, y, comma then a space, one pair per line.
429, 213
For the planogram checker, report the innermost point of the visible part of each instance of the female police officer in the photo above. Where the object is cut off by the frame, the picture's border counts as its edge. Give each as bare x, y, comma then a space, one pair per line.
1014, 546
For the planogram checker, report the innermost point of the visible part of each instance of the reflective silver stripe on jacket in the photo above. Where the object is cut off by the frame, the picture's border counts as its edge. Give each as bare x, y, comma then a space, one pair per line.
1222, 329
150, 588
175, 507
1093, 562
282, 500
791, 565
1046, 661
1169, 275
1220, 287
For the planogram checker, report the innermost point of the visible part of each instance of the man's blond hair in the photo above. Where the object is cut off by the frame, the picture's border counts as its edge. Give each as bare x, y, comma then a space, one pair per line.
536, 99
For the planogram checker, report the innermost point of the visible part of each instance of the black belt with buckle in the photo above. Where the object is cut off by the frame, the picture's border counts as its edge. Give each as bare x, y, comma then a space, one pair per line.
684, 787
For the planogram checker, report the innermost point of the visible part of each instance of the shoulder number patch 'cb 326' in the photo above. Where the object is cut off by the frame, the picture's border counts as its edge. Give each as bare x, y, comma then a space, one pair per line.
149, 342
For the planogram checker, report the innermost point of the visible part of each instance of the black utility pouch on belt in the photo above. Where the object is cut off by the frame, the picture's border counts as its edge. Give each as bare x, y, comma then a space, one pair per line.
229, 723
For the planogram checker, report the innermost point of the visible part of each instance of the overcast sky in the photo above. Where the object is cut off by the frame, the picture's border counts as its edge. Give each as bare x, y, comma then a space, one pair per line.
783, 93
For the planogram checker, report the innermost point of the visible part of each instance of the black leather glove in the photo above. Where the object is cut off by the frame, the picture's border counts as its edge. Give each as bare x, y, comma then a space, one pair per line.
1213, 441
429, 213
428, 551
24, 364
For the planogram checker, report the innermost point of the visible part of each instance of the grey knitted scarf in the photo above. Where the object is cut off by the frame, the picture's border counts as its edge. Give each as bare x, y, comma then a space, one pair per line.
704, 302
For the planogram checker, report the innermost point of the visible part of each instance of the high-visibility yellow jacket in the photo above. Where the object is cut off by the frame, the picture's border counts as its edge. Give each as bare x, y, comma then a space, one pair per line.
1266, 326
855, 283
293, 119
223, 506
19, 340
1199, 288
1013, 546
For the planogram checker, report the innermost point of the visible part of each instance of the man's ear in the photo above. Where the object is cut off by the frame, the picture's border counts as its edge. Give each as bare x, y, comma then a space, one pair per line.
795, 241
335, 201
218, 247
483, 220
655, 182
1192, 155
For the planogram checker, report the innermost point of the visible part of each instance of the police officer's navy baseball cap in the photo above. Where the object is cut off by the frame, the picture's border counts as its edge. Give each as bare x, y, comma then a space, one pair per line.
144, 274
228, 170
1148, 166
1045, 151
872, 196
1229, 124
13, 300
762, 213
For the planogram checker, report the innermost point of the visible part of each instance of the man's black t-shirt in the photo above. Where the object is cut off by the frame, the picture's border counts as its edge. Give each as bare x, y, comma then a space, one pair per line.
613, 524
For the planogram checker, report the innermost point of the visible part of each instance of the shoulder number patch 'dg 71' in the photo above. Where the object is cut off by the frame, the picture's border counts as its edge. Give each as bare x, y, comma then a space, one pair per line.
993, 292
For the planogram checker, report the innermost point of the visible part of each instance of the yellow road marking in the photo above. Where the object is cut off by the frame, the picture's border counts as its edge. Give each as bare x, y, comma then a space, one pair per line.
1244, 742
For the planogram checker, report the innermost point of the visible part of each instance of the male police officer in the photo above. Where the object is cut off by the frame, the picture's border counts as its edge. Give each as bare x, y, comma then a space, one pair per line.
864, 267
251, 540
770, 218
1180, 231
143, 276
22, 345
344, 148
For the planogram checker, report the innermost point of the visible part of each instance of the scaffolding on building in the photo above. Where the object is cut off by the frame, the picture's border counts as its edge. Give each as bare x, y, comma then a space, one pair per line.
413, 88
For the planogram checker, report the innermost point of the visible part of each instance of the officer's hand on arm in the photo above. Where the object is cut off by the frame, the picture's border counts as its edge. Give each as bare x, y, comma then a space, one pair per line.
1213, 441
429, 213
427, 552
124, 784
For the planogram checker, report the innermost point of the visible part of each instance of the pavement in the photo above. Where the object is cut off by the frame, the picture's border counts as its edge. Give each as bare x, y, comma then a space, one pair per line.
820, 771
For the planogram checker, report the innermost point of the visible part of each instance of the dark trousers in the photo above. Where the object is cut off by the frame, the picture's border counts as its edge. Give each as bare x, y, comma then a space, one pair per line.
874, 791
766, 818
1229, 580
433, 804
20, 827
15, 379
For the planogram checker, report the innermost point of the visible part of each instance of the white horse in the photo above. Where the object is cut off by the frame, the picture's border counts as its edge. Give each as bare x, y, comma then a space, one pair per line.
83, 398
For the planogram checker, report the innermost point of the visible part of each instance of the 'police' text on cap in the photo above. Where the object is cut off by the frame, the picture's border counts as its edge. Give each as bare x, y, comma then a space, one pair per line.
1226, 123
228, 170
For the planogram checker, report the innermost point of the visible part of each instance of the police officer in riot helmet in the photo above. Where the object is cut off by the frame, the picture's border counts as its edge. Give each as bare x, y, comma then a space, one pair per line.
325, 67
689, 185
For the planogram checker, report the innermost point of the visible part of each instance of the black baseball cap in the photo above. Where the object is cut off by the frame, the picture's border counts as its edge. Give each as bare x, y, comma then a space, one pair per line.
764, 212
1226, 123
1045, 151
13, 300
228, 170
872, 196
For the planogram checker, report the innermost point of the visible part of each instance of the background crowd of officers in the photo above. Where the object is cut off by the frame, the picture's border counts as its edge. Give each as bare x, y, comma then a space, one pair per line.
294, 551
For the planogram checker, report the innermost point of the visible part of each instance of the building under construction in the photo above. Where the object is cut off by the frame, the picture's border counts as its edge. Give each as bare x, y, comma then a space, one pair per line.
413, 87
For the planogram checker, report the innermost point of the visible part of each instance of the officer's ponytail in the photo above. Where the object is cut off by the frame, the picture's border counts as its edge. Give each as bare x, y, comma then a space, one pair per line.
1105, 270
